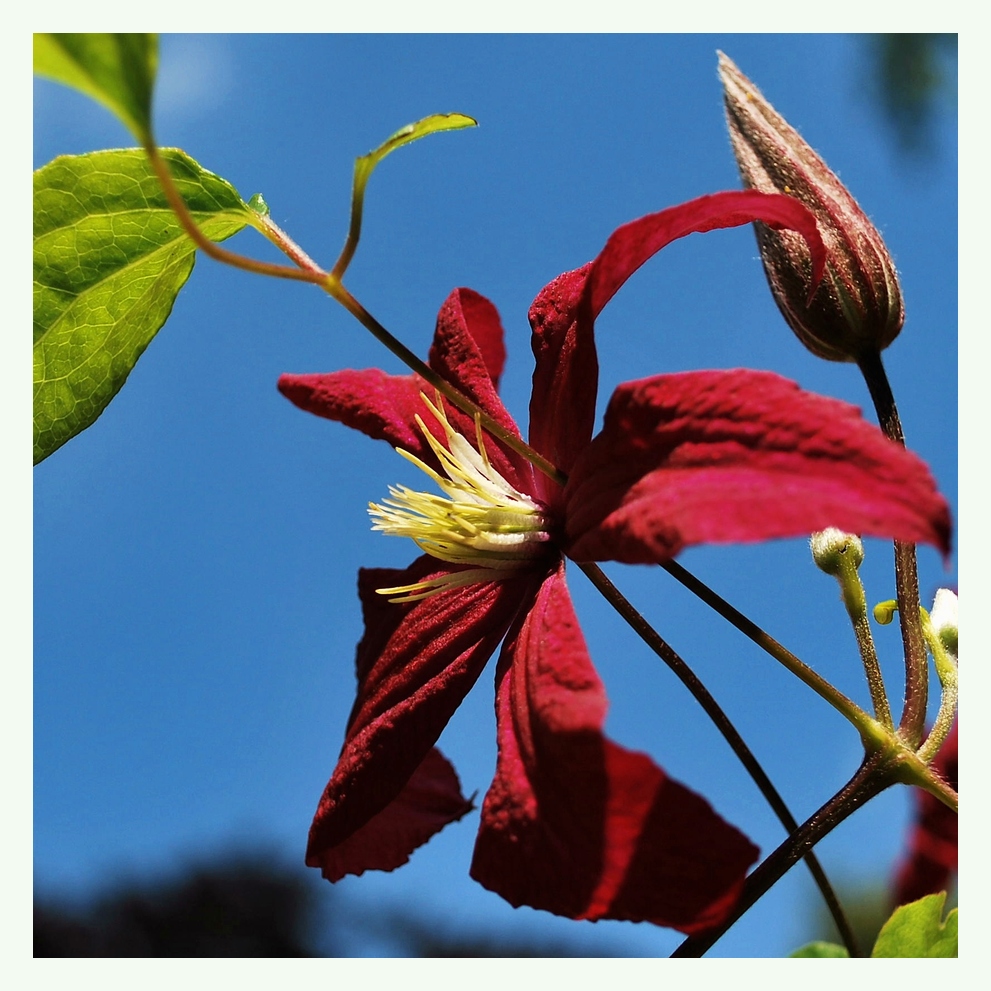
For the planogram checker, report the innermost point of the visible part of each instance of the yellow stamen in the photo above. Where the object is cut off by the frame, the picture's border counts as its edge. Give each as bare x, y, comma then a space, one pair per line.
480, 519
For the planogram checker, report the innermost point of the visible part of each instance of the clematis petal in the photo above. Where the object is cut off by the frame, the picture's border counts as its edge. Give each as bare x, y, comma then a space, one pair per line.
575, 824
429, 801
415, 664
467, 350
932, 848
738, 456
562, 406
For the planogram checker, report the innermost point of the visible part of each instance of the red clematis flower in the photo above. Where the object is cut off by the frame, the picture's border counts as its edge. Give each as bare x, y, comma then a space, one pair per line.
573, 823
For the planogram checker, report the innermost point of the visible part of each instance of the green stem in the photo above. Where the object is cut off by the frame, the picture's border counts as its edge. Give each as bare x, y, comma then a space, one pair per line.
946, 669
872, 733
906, 569
722, 722
309, 271
872, 669
314, 275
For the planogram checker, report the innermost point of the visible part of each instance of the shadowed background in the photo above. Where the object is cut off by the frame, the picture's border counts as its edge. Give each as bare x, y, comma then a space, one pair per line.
196, 549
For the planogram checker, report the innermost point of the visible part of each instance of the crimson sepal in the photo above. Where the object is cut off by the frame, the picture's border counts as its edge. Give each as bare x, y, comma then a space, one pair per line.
429, 801
415, 664
562, 317
576, 825
740, 456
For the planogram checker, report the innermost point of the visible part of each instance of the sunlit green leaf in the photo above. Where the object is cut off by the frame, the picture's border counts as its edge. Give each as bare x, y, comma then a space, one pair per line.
116, 69
821, 949
411, 132
918, 930
365, 165
109, 260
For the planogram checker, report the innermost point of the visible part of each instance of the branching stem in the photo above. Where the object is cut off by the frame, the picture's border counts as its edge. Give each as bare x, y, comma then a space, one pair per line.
722, 722
870, 780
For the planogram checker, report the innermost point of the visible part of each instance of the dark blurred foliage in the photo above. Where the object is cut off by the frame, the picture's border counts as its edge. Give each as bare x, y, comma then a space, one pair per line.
256, 906
913, 76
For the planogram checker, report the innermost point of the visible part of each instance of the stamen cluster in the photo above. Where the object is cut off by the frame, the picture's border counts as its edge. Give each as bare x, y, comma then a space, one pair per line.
480, 519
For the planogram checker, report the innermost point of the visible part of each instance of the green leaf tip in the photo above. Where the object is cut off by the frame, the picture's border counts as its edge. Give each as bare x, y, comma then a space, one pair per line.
118, 70
365, 165
421, 128
109, 260
820, 950
919, 930
258, 204
433, 124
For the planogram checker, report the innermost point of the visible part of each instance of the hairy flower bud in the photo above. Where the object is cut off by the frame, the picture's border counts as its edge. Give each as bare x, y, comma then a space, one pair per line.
833, 550
857, 308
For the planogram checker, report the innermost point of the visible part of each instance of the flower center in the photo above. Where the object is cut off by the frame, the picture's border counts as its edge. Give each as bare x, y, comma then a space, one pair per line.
480, 519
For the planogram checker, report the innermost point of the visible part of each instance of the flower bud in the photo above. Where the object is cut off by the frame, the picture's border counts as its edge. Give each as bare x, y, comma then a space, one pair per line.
944, 618
857, 308
833, 550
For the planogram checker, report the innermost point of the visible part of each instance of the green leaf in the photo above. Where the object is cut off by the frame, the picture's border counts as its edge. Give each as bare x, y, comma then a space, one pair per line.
820, 949
116, 69
109, 260
365, 165
918, 930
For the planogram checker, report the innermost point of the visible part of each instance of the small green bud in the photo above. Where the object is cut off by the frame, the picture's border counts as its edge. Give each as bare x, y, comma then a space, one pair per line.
258, 204
834, 551
884, 612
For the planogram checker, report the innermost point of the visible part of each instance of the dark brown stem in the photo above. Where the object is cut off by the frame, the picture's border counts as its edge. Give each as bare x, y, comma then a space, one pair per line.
869, 729
729, 732
906, 570
870, 780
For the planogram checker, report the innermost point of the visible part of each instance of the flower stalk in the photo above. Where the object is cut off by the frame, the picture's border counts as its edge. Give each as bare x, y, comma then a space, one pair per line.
722, 722
840, 555
872, 777
906, 569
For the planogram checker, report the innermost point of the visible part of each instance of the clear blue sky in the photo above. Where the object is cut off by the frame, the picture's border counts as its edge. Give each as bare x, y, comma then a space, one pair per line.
196, 549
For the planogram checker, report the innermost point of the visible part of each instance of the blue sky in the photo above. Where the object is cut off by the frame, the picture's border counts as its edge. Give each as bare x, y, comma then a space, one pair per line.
196, 549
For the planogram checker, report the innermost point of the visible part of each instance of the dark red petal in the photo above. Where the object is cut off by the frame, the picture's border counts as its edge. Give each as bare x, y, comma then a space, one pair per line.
932, 848
381, 406
575, 824
467, 349
467, 310
562, 407
429, 801
415, 664
634, 243
740, 456
565, 374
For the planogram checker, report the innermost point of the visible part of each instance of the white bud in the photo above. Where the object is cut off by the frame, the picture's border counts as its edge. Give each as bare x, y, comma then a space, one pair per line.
944, 618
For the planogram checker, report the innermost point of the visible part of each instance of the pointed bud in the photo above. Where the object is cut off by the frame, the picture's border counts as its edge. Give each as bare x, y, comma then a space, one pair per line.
857, 309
